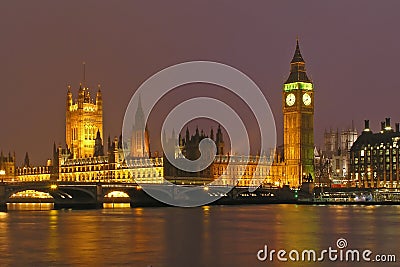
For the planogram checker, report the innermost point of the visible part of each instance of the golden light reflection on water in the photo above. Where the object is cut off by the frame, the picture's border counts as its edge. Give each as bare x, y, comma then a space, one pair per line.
30, 206
294, 230
205, 236
138, 212
116, 205
4, 240
53, 236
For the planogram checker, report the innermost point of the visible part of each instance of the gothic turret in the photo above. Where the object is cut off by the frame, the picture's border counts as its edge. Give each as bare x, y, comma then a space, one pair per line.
26, 160
139, 116
99, 98
81, 96
69, 97
187, 135
219, 141
140, 145
84, 117
297, 67
98, 147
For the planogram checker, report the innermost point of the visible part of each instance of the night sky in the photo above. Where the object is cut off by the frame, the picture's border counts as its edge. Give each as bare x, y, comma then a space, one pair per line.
351, 48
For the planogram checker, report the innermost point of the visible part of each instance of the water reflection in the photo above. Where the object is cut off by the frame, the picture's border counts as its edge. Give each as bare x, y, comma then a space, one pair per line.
4, 249
29, 206
206, 236
116, 205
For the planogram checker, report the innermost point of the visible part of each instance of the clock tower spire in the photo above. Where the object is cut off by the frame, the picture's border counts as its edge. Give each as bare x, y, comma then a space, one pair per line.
298, 122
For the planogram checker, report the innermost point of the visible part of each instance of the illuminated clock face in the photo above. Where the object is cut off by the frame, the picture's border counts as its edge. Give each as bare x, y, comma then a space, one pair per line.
290, 99
307, 99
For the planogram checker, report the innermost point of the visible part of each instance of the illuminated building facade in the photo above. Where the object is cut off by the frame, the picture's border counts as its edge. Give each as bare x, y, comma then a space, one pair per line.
84, 121
232, 170
298, 122
291, 164
7, 167
36, 173
94, 165
188, 147
85, 160
374, 157
245, 171
110, 168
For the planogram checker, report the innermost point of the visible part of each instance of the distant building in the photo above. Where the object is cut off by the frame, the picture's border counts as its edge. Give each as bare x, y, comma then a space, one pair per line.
226, 169
140, 143
374, 157
84, 158
7, 167
188, 147
336, 153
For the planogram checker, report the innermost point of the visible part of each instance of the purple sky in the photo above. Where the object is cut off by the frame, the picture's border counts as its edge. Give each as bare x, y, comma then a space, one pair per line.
352, 51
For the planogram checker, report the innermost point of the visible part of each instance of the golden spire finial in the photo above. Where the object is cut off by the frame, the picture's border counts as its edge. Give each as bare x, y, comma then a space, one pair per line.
84, 73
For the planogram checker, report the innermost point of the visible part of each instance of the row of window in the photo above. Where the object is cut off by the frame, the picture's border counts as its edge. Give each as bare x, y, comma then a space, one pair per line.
111, 175
381, 160
90, 133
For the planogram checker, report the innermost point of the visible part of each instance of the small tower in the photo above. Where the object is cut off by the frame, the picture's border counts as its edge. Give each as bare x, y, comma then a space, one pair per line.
98, 147
140, 144
7, 167
84, 118
187, 135
69, 96
219, 141
26, 160
99, 98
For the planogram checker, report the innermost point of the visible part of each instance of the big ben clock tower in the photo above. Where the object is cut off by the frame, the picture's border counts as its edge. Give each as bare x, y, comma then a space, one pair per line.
298, 122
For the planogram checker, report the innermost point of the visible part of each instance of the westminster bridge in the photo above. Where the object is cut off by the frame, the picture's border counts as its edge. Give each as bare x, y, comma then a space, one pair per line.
84, 195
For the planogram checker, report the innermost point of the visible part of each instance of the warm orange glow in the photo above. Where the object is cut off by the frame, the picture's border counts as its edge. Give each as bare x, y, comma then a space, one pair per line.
31, 194
116, 194
53, 186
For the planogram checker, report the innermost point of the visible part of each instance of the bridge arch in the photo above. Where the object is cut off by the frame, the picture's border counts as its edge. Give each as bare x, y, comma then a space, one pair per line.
30, 194
58, 193
117, 194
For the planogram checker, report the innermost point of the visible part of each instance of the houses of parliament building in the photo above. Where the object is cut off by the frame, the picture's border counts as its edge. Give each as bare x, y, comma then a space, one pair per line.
86, 157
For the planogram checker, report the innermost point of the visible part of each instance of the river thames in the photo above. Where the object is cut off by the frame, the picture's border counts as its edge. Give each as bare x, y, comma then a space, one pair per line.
204, 236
